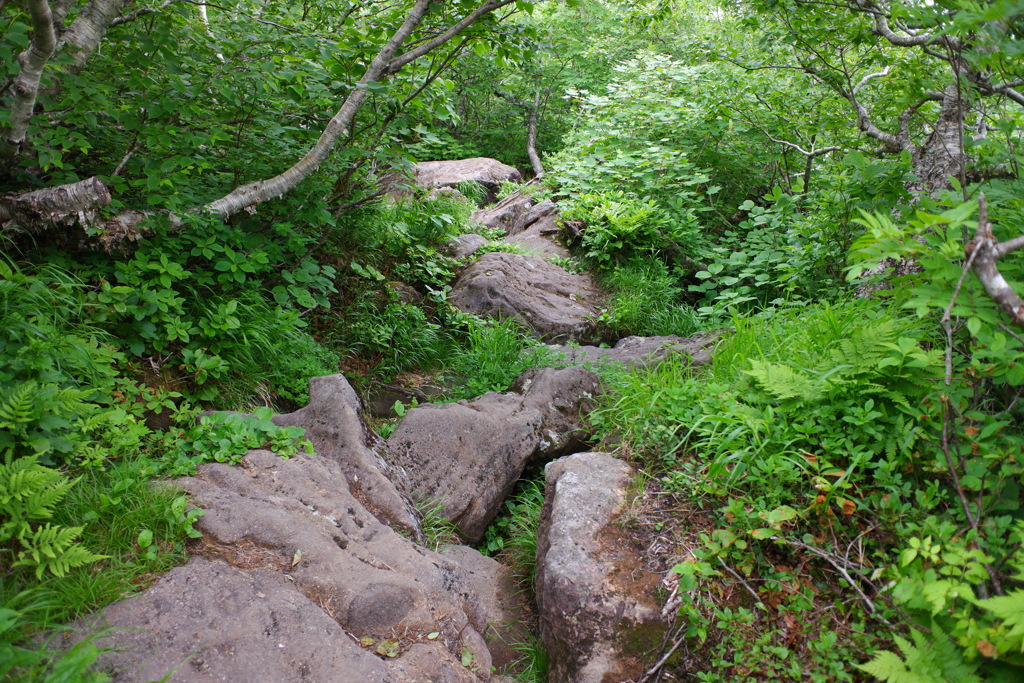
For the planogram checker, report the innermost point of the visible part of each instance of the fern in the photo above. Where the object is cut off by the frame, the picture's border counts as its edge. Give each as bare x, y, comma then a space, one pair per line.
29, 492
54, 548
18, 407
926, 660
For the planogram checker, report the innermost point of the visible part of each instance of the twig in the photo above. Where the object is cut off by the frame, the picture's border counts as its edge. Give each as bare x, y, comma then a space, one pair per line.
679, 639
849, 579
742, 581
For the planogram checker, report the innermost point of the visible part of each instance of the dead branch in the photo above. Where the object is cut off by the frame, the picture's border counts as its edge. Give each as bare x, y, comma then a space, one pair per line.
986, 252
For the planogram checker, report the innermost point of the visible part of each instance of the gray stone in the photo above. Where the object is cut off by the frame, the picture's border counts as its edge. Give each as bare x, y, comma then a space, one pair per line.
467, 456
596, 602
334, 425
643, 351
464, 245
489, 173
555, 304
538, 231
297, 570
503, 214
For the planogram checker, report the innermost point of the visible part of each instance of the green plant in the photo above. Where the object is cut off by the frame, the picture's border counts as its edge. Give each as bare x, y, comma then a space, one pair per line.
227, 437
513, 533
29, 493
438, 531
496, 353
647, 300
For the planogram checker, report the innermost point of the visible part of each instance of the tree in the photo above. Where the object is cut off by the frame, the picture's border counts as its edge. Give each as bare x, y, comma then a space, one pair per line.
939, 63
49, 72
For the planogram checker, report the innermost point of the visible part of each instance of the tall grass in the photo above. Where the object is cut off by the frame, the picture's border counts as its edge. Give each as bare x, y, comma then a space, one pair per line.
647, 300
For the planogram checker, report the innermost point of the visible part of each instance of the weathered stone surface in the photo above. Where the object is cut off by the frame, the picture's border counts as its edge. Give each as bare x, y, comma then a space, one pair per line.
464, 245
538, 230
643, 351
555, 304
489, 173
594, 599
332, 422
503, 214
214, 622
467, 456
347, 575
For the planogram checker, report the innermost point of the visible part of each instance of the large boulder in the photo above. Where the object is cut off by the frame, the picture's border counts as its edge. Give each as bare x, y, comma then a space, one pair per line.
488, 173
333, 423
642, 351
296, 574
556, 305
464, 245
465, 457
597, 603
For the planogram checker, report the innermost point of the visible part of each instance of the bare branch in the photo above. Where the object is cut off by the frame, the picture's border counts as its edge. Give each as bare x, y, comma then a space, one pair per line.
986, 251
26, 83
448, 34
864, 81
263, 190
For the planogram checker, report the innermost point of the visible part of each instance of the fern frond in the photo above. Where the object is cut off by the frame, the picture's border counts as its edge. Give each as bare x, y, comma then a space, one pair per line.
18, 407
55, 548
782, 381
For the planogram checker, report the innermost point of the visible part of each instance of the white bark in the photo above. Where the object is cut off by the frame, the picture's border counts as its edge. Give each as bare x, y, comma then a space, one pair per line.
26, 84
65, 205
383, 65
263, 190
986, 253
87, 30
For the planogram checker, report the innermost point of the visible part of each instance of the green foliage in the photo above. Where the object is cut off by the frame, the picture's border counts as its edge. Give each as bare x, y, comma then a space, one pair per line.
47, 663
29, 492
227, 437
495, 354
438, 531
647, 300
925, 659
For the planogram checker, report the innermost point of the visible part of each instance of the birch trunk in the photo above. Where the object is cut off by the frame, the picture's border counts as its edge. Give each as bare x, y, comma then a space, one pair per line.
26, 84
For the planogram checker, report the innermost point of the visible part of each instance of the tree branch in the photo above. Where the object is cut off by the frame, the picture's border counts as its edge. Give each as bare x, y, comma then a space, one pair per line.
986, 251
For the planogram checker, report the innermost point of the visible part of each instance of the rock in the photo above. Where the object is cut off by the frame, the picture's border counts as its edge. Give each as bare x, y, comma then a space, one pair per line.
643, 351
214, 622
259, 609
538, 229
464, 245
504, 214
489, 173
555, 304
467, 456
597, 605
336, 429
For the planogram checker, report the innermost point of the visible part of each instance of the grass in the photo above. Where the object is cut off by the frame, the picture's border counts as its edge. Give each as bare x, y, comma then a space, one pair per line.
647, 301
114, 506
494, 355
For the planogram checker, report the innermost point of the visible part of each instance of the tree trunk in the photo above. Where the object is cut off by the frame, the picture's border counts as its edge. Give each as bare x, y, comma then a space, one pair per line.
941, 157
26, 84
87, 30
531, 137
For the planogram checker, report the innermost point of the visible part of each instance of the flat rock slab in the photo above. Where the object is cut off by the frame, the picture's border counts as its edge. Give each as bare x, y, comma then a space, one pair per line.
556, 305
299, 571
597, 605
209, 621
641, 352
467, 456
489, 173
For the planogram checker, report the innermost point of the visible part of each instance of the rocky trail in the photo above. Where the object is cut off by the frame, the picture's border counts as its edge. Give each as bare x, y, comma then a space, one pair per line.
310, 569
